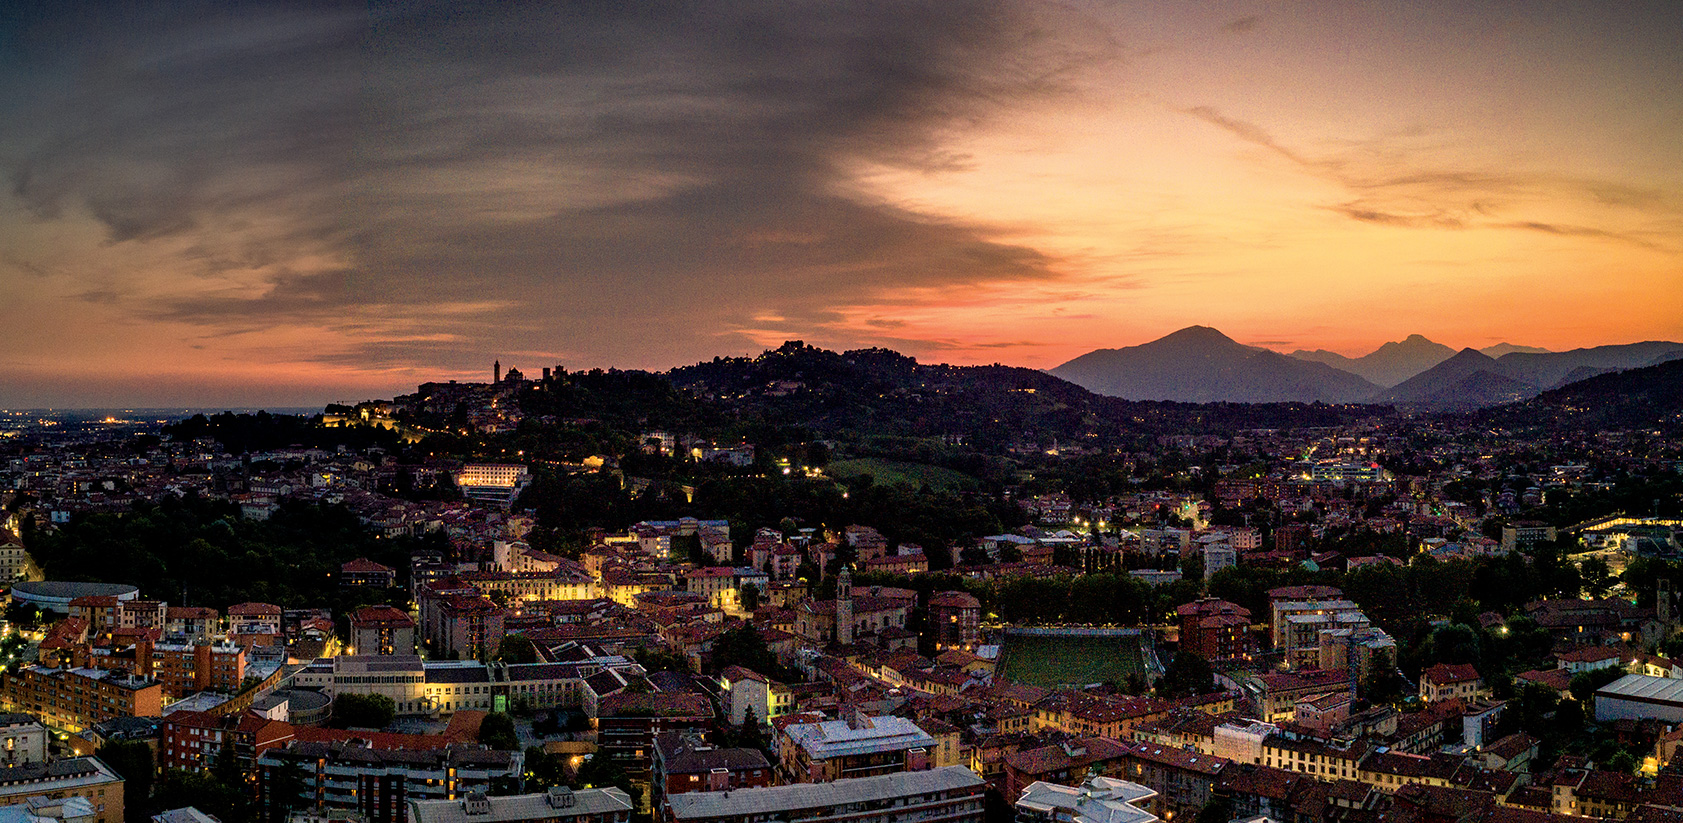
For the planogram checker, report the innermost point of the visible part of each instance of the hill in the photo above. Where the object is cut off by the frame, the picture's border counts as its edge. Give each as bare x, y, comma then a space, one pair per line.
1199, 364
1389, 364
881, 393
1649, 397
1551, 368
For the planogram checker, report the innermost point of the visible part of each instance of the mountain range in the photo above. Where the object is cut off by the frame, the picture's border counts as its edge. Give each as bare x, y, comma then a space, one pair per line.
1201, 365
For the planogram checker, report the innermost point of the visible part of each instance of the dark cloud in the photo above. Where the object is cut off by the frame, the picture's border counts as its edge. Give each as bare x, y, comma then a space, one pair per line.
563, 177
1243, 24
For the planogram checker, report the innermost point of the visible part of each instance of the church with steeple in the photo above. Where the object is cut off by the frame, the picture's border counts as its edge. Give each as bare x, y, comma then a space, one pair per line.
875, 615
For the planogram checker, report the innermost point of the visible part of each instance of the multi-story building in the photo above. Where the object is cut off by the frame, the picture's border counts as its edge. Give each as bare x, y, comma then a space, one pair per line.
498, 483
367, 574
744, 691
194, 741
378, 783
686, 762
955, 618
434, 687
83, 777
950, 795
859, 746
255, 624
1443, 681
1215, 629
191, 624
382, 630
23, 740
1096, 799
627, 724
557, 805
74, 699
1067, 763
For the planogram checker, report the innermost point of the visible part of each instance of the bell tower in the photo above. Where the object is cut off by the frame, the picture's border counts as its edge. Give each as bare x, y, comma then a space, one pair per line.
844, 607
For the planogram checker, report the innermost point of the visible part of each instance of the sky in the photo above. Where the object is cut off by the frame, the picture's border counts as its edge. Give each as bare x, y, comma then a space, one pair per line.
297, 203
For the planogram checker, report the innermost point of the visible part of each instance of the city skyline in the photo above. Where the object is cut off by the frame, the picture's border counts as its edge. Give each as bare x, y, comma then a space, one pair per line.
280, 205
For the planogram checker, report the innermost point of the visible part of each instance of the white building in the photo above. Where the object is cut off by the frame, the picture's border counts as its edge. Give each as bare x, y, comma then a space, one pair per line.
1638, 697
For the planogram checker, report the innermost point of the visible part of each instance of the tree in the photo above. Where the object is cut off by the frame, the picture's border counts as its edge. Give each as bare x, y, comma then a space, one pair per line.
743, 646
750, 594
363, 711
497, 731
1218, 810
177, 788
1187, 675
1380, 683
1585, 684
516, 648
132, 760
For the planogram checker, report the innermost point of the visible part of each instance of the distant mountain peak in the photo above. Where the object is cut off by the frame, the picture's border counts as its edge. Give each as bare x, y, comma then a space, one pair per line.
1200, 364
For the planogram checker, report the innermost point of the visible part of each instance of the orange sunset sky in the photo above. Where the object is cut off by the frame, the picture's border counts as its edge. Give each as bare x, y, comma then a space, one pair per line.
247, 204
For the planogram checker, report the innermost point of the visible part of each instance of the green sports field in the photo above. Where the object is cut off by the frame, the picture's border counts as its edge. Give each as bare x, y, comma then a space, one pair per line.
1053, 661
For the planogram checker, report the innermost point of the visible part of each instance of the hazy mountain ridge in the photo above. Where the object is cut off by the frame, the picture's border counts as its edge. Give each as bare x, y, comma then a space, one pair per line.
1199, 364
1388, 365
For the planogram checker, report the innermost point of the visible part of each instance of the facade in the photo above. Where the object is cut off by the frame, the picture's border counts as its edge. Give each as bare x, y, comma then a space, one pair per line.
365, 573
1215, 629
558, 805
497, 483
379, 783
1638, 696
951, 795
77, 777
74, 699
744, 691
23, 740
1443, 681
627, 725
382, 630
956, 620
860, 746
686, 762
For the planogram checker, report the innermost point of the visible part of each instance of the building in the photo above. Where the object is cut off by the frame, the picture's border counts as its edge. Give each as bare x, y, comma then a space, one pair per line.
74, 699
686, 762
557, 805
363, 573
378, 783
382, 630
1215, 629
1638, 697
496, 483
859, 746
1096, 800
950, 795
744, 691
1524, 535
627, 725
83, 777
1065, 763
193, 740
23, 740
955, 618
1443, 681
55, 596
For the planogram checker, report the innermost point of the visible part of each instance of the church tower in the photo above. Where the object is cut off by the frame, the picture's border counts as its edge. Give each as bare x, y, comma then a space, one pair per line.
844, 607
496, 372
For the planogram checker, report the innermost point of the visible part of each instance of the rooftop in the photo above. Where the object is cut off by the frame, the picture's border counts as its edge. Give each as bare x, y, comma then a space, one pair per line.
783, 801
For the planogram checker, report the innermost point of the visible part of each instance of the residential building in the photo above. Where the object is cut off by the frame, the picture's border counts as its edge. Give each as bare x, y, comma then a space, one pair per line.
363, 573
1215, 629
557, 805
950, 795
382, 630
955, 618
686, 762
743, 691
1443, 681
74, 699
23, 740
859, 746
84, 777
1096, 800
378, 783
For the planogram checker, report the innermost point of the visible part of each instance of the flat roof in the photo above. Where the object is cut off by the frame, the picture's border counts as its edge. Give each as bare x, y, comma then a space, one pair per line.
522, 807
1642, 688
782, 800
